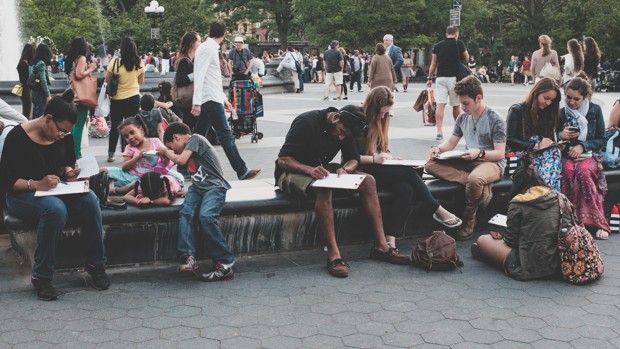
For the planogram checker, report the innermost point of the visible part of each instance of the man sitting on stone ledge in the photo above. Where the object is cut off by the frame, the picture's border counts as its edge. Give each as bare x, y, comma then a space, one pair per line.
313, 140
483, 161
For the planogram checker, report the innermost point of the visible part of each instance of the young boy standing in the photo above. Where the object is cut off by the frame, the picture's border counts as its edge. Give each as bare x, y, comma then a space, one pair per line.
206, 197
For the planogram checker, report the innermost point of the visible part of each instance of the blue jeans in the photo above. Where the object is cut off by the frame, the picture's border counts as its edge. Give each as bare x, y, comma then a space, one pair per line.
212, 114
39, 101
208, 205
300, 76
50, 213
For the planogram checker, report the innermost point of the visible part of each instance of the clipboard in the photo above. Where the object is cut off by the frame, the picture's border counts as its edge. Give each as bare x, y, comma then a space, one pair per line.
452, 154
149, 153
412, 163
65, 188
553, 145
499, 219
345, 181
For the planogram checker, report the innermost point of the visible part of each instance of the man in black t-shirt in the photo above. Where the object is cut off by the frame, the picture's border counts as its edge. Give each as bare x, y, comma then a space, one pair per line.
165, 59
446, 56
314, 139
334, 63
240, 61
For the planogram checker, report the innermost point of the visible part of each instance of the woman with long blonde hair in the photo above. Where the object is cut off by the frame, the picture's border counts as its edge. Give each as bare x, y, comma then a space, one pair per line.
542, 56
403, 181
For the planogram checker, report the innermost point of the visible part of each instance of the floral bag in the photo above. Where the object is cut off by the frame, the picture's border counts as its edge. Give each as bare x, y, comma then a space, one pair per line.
581, 261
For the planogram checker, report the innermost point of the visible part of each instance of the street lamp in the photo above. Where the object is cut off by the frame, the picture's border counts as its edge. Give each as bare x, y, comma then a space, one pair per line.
154, 11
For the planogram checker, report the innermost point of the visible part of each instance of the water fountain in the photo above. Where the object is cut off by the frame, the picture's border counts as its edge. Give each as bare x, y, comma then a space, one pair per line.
10, 42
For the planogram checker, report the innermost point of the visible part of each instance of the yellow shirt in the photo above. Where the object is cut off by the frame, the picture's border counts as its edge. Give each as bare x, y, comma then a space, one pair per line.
128, 80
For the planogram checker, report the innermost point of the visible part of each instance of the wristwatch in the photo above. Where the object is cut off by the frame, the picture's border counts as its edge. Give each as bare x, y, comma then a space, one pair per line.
481, 154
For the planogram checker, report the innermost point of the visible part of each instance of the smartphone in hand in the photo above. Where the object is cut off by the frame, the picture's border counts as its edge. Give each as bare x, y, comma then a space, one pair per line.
574, 129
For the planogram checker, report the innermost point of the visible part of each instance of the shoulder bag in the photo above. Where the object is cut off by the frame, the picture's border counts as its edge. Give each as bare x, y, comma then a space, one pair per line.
182, 96
580, 258
85, 89
17, 89
461, 69
112, 88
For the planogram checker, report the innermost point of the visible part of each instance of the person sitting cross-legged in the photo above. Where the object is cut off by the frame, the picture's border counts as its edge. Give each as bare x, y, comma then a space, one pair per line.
313, 140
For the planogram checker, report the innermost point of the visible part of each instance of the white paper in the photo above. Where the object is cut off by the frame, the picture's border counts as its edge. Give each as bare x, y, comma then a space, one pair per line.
65, 188
149, 153
88, 166
345, 181
499, 219
414, 163
452, 154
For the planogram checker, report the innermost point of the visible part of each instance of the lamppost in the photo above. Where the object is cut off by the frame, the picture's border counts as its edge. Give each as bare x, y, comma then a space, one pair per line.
154, 11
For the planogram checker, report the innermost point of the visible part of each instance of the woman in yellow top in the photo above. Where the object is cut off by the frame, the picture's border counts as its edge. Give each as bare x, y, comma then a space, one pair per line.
126, 101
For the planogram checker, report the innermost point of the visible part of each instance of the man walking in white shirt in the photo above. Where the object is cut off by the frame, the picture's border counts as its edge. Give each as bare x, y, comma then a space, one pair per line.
210, 103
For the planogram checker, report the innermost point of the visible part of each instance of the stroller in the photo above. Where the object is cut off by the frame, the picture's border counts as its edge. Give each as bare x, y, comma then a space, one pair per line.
247, 104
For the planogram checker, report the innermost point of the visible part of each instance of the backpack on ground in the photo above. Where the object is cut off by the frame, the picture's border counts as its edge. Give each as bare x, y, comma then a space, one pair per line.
437, 252
611, 155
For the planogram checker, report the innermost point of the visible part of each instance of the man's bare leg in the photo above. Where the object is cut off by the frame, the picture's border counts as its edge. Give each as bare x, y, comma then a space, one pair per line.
325, 214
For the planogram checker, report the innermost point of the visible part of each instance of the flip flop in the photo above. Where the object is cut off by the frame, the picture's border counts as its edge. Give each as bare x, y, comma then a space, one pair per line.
458, 224
598, 234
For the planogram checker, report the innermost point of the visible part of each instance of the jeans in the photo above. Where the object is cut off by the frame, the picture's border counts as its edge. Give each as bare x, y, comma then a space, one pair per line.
51, 213
300, 77
212, 114
39, 101
208, 205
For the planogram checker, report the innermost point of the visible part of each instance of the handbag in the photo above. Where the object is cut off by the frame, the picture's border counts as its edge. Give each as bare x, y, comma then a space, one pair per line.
183, 96
461, 69
103, 102
430, 108
85, 89
419, 102
17, 90
112, 88
550, 71
579, 257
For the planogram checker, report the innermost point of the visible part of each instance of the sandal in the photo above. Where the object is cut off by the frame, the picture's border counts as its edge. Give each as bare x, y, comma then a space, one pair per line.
445, 223
601, 235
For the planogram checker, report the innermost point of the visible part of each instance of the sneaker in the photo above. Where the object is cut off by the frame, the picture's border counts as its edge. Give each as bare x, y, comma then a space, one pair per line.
188, 263
253, 173
219, 273
111, 159
325, 98
439, 137
345, 98
44, 288
360, 91
390, 256
98, 278
338, 98
338, 268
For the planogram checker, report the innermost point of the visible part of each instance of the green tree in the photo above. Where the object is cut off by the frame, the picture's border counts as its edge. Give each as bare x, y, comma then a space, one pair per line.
59, 20
276, 14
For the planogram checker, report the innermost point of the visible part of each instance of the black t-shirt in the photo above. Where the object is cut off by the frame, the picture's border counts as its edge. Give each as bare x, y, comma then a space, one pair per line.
309, 141
447, 57
165, 53
332, 60
25, 159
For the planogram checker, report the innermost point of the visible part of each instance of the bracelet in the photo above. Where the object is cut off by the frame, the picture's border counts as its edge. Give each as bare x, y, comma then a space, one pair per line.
30, 184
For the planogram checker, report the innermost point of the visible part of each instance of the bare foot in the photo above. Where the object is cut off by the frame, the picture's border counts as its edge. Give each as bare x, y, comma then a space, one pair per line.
446, 216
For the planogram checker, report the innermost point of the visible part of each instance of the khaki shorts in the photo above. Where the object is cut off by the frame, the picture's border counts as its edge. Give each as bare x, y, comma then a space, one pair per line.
333, 77
299, 184
444, 90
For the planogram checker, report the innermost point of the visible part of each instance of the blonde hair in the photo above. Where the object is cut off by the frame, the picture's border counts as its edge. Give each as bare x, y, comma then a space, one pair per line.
545, 44
377, 134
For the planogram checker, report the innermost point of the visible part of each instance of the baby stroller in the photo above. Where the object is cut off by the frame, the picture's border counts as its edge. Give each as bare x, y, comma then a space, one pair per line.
247, 105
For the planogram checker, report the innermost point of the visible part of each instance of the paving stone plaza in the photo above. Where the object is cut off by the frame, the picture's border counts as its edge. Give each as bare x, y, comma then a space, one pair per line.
289, 300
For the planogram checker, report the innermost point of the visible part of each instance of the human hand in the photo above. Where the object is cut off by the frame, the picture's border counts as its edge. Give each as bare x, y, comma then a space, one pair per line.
435, 151
143, 201
162, 152
576, 151
471, 154
569, 133
73, 174
319, 172
179, 194
429, 83
341, 171
544, 143
381, 157
92, 66
227, 106
48, 182
196, 110
48, 99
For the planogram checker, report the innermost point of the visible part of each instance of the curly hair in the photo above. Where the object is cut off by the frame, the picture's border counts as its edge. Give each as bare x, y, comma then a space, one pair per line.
469, 86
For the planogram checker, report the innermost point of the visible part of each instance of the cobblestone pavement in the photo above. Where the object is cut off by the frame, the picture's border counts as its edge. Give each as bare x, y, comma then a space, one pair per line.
290, 301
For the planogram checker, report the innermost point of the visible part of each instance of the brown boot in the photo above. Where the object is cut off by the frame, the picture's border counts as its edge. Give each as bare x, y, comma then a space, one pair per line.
487, 195
466, 230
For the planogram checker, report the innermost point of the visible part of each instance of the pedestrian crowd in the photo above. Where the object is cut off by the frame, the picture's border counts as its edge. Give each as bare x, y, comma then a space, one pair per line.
561, 148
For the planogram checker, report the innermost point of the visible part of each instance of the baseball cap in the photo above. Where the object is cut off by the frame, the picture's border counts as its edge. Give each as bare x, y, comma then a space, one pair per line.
238, 39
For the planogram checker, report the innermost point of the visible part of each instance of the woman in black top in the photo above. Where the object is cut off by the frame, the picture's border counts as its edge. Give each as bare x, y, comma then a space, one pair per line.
185, 71
38, 155
24, 72
40, 84
592, 57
